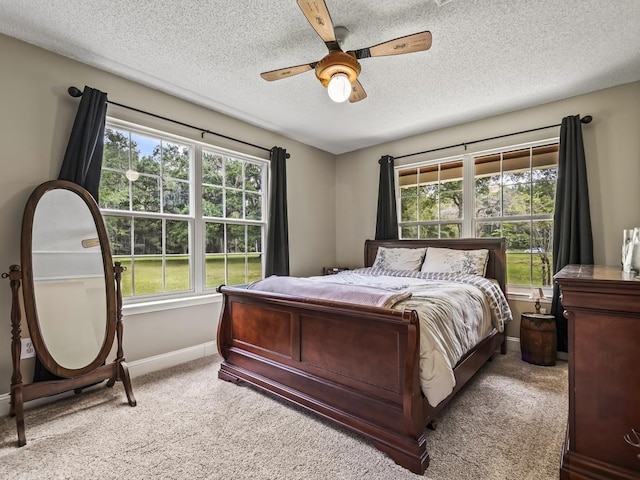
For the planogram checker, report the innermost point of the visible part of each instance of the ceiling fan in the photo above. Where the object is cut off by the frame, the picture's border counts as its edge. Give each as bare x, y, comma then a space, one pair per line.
338, 71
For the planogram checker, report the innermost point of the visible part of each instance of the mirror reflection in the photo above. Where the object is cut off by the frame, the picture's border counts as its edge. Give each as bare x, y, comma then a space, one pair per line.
67, 264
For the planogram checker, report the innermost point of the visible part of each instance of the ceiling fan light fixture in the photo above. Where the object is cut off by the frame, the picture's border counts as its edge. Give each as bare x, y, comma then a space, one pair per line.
337, 62
339, 88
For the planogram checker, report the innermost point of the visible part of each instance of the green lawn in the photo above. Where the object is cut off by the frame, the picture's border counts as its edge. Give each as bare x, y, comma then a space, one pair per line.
148, 273
519, 268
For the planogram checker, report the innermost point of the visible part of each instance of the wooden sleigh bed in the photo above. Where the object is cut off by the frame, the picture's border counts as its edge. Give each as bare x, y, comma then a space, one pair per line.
354, 365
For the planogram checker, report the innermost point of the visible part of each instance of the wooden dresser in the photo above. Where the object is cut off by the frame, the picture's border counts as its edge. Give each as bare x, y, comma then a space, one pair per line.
602, 306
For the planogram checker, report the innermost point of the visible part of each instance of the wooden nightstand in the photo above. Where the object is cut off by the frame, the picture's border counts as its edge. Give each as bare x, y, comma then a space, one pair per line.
538, 338
333, 270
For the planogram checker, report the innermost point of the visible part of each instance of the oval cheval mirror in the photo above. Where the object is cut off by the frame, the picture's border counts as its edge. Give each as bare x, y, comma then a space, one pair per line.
72, 296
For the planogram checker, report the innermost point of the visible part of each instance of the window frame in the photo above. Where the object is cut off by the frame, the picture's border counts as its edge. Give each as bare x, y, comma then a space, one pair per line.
468, 221
198, 291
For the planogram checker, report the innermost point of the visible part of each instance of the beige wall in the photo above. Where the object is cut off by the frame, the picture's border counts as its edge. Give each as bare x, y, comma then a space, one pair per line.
612, 149
332, 201
36, 117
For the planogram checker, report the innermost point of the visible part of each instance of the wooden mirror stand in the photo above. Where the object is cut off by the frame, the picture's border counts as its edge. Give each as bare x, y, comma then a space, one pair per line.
52, 336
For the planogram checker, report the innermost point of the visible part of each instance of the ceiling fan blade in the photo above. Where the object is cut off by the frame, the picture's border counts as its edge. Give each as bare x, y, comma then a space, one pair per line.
357, 92
319, 18
408, 44
286, 72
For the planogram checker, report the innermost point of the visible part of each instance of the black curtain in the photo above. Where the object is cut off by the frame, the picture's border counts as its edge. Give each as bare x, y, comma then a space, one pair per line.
83, 159
82, 164
572, 238
387, 218
277, 255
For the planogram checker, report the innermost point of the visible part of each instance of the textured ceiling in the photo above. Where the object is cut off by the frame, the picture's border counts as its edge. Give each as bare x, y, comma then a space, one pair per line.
487, 57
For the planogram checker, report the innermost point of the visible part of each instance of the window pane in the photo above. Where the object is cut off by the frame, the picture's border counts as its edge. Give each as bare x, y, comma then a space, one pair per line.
215, 268
408, 209
254, 267
254, 238
145, 155
176, 197
518, 268
253, 206
215, 264
428, 231
236, 269
450, 230
409, 232
147, 272
428, 202
211, 201
516, 165
518, 263
254, 258
542, 269
146, 194
147, 263
234, 203
541, 252
177, 273
544, 190
147, 236
211, 168
177, 242
116, 149
487, 196
175, 160
114, 190
451, 200
233, 173
488, 229
214, 242
235, 239
253, 177
516, 199
542, 235
407, 177
409, 191
177, 269
518, 235
119, 231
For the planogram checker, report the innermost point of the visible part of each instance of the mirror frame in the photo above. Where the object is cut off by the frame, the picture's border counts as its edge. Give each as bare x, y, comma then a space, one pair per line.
28, 286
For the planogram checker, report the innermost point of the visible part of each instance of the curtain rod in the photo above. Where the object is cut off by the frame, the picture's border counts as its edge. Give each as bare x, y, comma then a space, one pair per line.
76, 92
586, 119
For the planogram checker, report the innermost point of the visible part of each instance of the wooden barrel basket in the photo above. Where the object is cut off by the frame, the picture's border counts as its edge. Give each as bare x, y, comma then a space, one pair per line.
538, 338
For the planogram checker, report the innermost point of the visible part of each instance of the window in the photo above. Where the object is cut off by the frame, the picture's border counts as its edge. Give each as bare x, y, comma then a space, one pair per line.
182, 216
508, 192
431, 200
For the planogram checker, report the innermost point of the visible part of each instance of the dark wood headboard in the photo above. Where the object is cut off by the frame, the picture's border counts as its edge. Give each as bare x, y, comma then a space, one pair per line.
496, 265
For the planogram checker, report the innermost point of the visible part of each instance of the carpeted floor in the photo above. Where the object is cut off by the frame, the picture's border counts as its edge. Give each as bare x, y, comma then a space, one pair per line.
508, 423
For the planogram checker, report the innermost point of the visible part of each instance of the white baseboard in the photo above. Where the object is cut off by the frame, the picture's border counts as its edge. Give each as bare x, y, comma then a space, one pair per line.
513, 344
136, 368
170, 359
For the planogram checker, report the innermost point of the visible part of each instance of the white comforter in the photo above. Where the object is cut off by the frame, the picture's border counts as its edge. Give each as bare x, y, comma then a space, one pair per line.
456, 311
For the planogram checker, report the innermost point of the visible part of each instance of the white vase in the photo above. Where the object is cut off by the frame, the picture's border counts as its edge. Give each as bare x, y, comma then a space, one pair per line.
627, 249
635, 254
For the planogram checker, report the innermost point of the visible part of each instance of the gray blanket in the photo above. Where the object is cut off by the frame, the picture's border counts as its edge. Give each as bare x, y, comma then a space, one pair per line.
305, 288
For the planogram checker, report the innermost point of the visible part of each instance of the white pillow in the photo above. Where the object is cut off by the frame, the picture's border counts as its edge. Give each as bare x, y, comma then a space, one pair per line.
456, 261
399, 258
